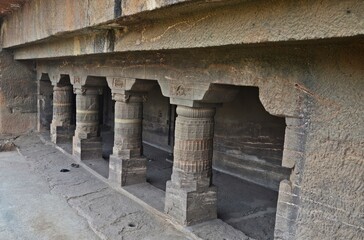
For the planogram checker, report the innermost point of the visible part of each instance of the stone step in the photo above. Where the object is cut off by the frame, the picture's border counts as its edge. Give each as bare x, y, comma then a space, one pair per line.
253, 170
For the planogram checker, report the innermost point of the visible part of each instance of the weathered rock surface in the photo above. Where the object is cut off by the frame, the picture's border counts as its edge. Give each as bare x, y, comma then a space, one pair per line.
29, 209
108, 213
18, 95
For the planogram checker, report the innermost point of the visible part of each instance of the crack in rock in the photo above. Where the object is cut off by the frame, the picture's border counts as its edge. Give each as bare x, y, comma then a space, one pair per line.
67, 184
86, 194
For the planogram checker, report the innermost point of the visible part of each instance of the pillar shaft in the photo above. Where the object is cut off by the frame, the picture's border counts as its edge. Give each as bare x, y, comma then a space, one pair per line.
190, 197
86, 142
87, 115
61, 129
128, 128
126, 164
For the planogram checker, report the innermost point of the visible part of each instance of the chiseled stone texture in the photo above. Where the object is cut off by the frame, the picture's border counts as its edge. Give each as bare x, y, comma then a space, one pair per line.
317, 87
18, 95
130, 7
293, 159
128, 127
190, 197
124, 172
332, 187
189, 207
244, 23
61, 129
87, 142
127, 166
28, 24
324, 198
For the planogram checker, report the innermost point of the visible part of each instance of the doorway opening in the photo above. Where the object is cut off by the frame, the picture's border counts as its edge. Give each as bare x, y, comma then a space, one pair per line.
105, 134
158, 137
45, 103
247, 162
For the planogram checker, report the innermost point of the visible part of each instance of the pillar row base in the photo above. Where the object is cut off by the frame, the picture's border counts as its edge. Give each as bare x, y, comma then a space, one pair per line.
62, 134
86, 149
189, 207
124, 172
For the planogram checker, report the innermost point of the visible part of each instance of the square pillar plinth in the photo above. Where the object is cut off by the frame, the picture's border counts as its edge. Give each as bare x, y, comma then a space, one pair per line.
60, 134
124, 172
189, 207
86, 149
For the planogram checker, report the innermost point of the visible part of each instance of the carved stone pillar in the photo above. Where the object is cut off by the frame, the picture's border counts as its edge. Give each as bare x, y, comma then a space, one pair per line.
190, 196
61, 129
87, 141
127, 167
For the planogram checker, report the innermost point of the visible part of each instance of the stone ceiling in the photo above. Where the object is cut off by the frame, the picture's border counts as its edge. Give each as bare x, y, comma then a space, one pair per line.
8, 6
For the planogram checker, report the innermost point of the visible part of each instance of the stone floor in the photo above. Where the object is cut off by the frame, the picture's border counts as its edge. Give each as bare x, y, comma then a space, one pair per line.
29, 209
110, 212
245, 206
38, 201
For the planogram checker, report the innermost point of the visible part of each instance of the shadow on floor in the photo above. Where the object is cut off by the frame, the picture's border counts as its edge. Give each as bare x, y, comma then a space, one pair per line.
247, 207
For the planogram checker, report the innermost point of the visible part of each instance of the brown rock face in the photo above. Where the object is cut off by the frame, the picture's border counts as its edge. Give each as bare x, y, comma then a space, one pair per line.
18, 96
8, 6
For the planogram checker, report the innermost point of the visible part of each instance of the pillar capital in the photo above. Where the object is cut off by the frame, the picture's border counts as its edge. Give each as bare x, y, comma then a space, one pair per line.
196, 112
67, 88
87, 90
129, 97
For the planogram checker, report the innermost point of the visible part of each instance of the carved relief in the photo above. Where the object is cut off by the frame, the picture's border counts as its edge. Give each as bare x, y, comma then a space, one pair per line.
77, 80
180, 90
118, 82
120, 97
82, 90
194, 139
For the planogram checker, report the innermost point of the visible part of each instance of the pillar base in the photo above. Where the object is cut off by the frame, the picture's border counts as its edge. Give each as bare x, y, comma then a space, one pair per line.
126, 172
86, 149
189, 207
61, 134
